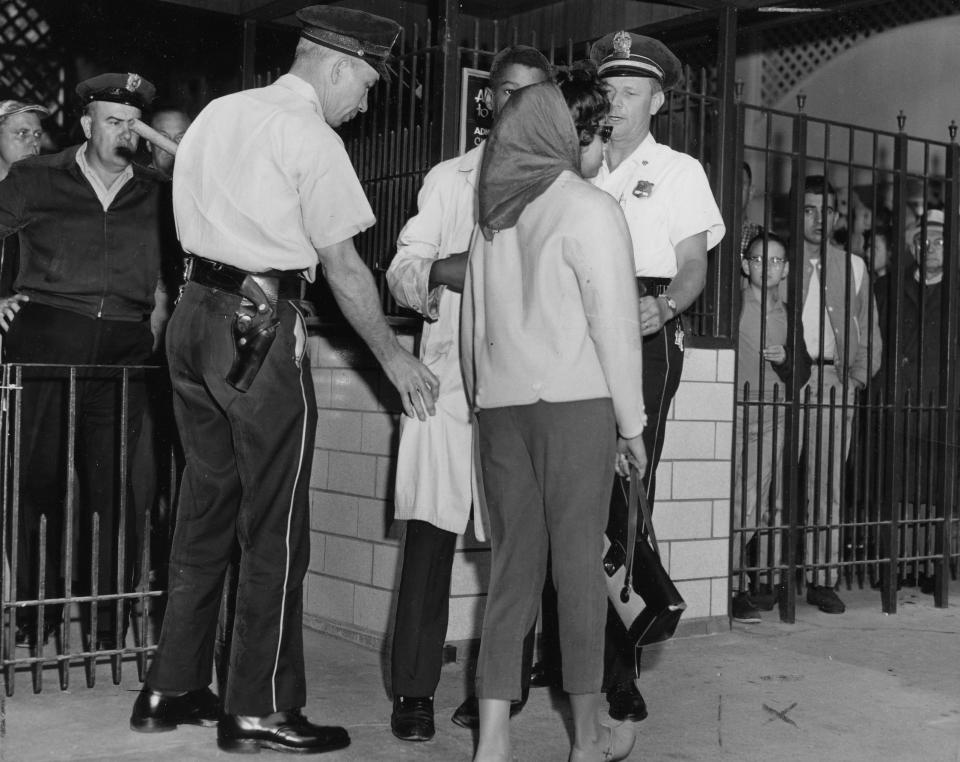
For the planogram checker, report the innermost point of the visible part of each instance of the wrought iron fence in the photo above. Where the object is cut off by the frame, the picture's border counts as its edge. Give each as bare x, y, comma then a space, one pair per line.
862, 481
399, 139
55, 592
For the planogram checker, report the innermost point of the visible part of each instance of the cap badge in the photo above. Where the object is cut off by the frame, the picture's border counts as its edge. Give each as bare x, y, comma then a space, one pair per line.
622, 42
133, 82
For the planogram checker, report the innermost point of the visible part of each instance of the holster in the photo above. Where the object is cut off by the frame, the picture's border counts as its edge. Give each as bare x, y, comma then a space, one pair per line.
254, 330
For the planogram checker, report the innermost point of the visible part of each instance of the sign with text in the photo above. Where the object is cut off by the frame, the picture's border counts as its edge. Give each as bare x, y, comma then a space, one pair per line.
475, 118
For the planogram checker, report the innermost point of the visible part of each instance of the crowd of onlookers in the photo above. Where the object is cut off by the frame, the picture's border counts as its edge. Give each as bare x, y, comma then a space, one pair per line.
871, 307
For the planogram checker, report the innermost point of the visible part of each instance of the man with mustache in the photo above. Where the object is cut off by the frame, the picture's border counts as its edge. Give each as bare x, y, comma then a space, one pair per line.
86, 220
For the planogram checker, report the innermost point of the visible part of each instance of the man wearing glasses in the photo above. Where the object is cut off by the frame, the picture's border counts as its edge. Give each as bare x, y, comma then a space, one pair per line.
674, 222
842, 333
20, 135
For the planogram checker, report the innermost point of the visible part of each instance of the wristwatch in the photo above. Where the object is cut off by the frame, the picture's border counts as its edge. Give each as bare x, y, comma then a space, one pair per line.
671, 303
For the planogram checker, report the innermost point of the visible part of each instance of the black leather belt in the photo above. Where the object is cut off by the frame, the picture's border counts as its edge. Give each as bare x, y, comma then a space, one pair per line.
823, 362
652, 286
276, 284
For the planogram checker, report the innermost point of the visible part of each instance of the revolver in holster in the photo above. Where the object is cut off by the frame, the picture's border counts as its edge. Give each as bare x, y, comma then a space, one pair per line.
255, 327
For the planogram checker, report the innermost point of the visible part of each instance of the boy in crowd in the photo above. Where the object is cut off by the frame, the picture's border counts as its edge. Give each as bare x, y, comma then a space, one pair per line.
764, 373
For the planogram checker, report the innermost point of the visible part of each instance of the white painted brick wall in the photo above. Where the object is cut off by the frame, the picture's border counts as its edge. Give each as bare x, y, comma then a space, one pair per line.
348, 559
471, 573
683, 520
696, 593
339, 429
373, 609
387, 561
334, 513
358, 547
696, 559
355, 473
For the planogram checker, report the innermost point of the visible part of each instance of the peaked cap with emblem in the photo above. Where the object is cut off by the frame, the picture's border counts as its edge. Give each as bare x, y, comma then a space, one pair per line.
356, 33
625, 54
131, 89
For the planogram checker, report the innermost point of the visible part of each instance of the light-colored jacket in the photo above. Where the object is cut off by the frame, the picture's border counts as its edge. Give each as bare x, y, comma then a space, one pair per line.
853, 338
435, 475
550, 307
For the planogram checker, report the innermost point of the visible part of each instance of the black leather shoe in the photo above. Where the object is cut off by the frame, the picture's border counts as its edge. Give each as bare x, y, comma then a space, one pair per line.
26, 634
155, 713
543, 675
626, 703
280, 731
412, 718
467, 714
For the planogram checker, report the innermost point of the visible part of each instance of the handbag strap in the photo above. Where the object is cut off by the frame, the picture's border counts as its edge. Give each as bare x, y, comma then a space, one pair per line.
647, 515
636, 495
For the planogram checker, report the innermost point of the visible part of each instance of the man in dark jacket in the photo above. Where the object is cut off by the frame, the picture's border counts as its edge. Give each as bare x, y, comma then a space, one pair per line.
923, 371
86, 219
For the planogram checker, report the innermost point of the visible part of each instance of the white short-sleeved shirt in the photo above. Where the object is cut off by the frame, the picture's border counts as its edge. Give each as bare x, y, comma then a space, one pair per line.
261, 181
666, 198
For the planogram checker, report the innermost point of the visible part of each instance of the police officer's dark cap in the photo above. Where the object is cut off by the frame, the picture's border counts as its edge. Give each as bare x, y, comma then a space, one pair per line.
625, 54
356, 33
130, 89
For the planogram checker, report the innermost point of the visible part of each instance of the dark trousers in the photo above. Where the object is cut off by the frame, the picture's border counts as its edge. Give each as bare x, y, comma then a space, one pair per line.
423, 608
662, 368
246, 481
47, 335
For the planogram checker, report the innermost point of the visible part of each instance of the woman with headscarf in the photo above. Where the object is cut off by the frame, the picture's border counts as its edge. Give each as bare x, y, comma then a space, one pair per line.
551, 350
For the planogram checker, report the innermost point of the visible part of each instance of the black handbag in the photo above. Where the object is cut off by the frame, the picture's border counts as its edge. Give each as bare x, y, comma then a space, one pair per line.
638, 587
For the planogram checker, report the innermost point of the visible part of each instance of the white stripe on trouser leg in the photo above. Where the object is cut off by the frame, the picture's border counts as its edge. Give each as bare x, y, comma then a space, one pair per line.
661, 425
293, 497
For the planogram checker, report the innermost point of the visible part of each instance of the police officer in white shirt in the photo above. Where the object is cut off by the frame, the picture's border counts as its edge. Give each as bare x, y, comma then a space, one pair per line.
674, 221
263, 192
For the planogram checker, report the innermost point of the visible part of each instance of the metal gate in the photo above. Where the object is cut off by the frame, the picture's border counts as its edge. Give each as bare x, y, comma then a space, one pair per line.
63, 603
862, 481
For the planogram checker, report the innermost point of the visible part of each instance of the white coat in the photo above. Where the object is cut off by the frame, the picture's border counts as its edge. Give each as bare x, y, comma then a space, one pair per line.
436, 481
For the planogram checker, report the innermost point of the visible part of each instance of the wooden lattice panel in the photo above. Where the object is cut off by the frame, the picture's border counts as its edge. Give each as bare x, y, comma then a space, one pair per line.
30, 67
793, 51
21, 24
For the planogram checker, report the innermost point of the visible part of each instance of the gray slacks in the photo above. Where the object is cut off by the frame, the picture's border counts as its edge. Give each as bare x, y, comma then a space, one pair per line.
547, 474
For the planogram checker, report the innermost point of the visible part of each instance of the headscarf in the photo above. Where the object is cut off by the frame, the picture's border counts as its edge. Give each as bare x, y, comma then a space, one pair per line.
533, 141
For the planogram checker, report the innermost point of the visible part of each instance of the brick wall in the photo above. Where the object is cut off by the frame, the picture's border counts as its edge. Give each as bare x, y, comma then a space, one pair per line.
356, 547
692, 513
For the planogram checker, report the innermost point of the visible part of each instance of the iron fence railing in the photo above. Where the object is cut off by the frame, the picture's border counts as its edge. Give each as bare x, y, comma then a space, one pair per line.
878, 506
50, 606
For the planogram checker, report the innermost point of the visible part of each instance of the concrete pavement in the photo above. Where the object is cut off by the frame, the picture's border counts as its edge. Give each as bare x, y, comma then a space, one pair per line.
858, 686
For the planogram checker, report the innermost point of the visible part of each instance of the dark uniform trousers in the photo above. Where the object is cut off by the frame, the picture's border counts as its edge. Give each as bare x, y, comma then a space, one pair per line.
662, 367
248, 458
46, 335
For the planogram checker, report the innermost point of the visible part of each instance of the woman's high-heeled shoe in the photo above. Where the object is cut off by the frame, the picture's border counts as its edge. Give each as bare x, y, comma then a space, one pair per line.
618, 741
